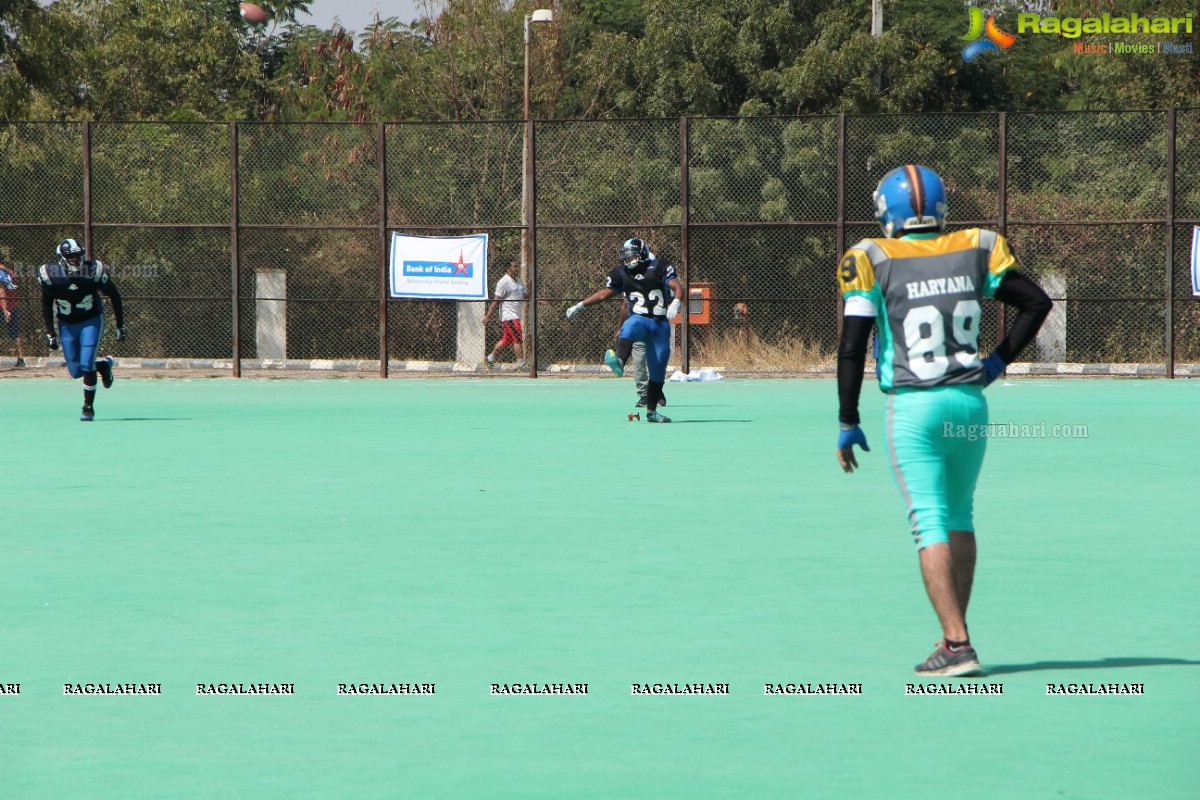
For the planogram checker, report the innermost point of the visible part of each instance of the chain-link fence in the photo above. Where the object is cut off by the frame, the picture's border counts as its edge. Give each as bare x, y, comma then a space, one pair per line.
248, 245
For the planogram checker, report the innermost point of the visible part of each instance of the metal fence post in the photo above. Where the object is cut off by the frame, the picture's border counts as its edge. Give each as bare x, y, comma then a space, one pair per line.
1170, 308
381, 155
531, 175
1002, 223
841, 210
87, 186
684, 261
235, 271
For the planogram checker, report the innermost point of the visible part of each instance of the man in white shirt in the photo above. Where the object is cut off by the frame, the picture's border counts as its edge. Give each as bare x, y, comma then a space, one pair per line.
510, 294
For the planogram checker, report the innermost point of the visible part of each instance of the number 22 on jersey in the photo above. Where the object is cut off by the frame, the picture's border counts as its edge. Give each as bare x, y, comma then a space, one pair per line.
655, 296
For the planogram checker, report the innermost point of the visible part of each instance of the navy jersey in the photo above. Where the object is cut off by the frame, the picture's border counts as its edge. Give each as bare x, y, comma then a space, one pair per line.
75, 296
647, 291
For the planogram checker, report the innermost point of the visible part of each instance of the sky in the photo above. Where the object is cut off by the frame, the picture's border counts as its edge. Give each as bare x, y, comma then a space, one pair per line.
355, 15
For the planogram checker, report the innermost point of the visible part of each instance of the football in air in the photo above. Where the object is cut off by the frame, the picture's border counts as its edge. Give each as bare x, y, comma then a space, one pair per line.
252, 13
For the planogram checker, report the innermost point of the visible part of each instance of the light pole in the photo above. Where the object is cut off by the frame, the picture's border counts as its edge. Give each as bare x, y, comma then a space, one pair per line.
540, 15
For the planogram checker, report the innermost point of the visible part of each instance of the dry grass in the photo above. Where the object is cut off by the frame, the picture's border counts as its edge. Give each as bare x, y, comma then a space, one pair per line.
749, 352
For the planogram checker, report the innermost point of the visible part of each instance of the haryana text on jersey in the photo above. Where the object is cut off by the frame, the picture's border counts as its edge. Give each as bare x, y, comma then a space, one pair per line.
925, 293
648, 291
75, 296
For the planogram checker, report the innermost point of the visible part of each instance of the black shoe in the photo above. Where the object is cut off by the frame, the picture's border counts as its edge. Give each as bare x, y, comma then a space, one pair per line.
104, 367
20, 362
87, 414
641, 403
662, 399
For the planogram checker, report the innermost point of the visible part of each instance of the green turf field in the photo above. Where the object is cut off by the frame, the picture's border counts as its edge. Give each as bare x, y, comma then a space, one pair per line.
471, 532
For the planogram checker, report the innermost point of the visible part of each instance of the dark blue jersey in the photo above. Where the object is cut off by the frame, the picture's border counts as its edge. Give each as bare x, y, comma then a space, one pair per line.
646, 288
75, 296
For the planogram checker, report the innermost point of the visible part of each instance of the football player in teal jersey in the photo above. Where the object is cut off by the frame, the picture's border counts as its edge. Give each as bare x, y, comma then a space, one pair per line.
922, 287
71, 289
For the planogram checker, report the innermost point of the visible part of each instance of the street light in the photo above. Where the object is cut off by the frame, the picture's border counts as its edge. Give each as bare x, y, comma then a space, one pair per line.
540, 15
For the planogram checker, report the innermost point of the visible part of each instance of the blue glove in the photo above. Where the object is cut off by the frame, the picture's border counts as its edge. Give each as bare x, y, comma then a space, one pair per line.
993, 365
851, 435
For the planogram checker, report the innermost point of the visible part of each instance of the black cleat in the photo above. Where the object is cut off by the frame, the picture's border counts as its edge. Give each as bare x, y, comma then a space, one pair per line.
87, 414
105, 366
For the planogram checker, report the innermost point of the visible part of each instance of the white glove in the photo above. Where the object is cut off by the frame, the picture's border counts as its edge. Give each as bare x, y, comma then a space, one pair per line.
573, 310
673, 310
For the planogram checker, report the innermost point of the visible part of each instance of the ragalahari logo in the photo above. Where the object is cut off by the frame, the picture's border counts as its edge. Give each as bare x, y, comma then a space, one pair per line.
996, 38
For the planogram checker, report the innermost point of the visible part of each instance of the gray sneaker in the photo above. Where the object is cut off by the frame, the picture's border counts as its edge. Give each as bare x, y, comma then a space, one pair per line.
961, 664
654, 416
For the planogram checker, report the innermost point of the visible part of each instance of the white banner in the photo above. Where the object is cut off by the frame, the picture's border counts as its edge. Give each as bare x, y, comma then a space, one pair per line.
446, 267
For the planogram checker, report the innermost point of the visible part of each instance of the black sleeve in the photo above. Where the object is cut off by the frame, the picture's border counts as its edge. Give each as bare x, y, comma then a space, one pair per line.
48, 309
852, 360
110, 289
1033, 306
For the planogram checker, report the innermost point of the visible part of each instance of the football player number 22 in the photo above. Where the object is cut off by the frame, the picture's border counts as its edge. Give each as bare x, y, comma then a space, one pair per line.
639, 302
927, 354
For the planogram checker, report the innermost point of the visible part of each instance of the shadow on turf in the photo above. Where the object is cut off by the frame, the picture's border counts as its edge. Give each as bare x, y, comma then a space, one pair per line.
1102, 663
144, 419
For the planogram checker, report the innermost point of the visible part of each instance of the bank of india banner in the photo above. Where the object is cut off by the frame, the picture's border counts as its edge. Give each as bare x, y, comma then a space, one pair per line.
444, 267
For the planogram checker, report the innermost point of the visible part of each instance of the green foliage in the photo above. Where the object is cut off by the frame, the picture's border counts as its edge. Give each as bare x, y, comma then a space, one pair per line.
196, 59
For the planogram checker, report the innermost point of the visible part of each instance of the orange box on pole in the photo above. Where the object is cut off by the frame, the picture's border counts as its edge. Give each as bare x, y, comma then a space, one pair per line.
699, 305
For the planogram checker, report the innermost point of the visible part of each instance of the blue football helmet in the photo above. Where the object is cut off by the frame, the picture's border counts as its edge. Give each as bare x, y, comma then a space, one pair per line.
70, 254
634, 252
909, 199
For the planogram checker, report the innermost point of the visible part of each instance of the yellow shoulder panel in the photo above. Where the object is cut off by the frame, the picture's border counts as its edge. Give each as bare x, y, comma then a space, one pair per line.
855, 272
946, 243
1002, 258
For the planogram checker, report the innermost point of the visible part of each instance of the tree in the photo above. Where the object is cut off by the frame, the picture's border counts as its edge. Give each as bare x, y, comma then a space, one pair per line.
149, 59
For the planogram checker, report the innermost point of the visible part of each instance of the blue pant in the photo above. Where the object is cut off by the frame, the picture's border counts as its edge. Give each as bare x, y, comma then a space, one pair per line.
935, 448
79, 343
656, 333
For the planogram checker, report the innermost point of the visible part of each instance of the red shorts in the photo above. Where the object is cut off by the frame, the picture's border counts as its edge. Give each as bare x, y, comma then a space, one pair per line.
512, 332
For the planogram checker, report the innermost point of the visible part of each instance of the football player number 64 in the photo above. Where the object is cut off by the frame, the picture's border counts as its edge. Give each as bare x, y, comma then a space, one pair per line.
64, 306
927, 354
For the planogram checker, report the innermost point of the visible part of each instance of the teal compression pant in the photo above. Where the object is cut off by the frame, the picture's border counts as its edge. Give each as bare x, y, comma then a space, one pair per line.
936, 441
